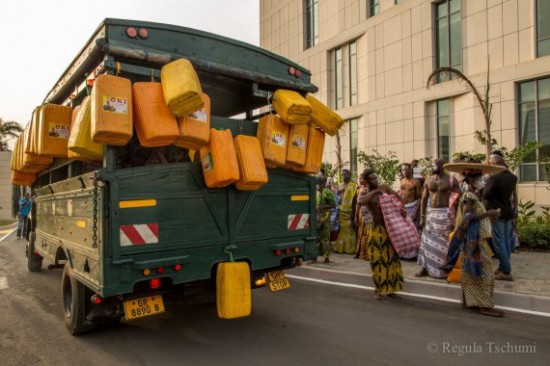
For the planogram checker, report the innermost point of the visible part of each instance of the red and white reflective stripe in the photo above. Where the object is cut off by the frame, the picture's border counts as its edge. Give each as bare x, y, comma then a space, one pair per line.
139, 234
298, 221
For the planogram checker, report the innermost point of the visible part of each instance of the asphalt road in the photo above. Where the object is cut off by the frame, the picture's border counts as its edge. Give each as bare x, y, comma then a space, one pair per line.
308, 324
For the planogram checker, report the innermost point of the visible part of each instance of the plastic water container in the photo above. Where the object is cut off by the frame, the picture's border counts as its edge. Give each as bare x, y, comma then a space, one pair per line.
181, 86
54, 129
273, 136
252, 171
233, 294
194, 129
111, 110
80, 140
154, 122
219, 160
297, 144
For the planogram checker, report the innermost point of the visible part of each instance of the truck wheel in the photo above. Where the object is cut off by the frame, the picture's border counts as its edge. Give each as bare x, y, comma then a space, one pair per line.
34, 261
74, 303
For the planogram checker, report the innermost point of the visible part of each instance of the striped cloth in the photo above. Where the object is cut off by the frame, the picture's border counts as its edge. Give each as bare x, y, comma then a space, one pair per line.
435, 242
401, 231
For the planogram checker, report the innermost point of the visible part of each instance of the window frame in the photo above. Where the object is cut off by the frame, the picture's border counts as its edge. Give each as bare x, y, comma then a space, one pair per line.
543, 39
311, 23
540, 169
438, 118
450, 45
353, 81
353, 145
373, 8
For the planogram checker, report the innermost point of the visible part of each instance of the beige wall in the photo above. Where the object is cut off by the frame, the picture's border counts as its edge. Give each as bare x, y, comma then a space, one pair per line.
5, 186
396, 56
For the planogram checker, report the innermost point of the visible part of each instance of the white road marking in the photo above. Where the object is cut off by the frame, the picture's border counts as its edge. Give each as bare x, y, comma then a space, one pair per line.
3, 283
9, 232
404, 293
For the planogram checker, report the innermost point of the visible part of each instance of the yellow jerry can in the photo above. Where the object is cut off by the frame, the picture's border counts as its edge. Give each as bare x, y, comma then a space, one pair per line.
233, 292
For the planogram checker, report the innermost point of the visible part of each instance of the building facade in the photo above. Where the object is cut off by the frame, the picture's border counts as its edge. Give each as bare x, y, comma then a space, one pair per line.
371, 60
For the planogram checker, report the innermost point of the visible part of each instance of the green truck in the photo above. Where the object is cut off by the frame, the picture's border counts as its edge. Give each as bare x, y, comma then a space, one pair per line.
128, 233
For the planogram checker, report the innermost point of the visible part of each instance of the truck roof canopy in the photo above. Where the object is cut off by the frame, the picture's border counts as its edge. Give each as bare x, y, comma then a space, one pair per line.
239, 74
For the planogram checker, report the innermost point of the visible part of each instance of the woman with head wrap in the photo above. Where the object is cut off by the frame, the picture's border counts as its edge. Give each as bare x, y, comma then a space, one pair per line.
473, 229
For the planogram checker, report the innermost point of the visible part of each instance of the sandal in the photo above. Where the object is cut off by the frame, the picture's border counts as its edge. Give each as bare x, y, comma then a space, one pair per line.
378, 297
422, 273
491, 312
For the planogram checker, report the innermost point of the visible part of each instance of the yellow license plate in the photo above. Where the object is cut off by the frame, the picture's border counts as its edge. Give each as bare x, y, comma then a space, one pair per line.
275, 275
278, 285
145, 306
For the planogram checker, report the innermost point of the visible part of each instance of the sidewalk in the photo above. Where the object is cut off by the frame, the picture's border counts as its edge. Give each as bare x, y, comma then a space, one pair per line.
531, 271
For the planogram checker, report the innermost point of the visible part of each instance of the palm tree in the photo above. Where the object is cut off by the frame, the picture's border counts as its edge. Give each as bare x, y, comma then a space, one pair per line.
448, 73
8, 129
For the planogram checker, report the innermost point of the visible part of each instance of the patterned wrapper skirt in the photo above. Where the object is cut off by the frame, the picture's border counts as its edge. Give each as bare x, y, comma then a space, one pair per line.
387, 273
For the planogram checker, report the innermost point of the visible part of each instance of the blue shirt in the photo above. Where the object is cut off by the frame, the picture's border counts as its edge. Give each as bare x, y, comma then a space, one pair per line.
24, 206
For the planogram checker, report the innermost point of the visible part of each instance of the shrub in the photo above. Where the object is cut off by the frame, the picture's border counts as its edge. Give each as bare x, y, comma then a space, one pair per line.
535, 233
385, 166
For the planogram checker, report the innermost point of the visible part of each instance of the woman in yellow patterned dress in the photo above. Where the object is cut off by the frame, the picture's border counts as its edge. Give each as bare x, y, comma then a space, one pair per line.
387, 273
347, 236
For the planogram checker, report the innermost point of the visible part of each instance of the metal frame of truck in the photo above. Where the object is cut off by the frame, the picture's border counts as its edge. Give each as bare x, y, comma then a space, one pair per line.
79, 210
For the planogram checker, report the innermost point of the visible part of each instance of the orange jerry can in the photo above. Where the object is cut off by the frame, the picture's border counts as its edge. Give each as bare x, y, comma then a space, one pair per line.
252, 171
111, 110
154, 122
297, 144
273, 136
19, 178
54, 129
194, 129
314, 154
219, 160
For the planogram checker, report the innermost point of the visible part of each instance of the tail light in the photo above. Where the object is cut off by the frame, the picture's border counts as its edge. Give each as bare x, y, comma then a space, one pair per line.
131, 32
278, 252
143, 33
155, 283
96, 299
160, 270
260, 281
177, 267
288, 251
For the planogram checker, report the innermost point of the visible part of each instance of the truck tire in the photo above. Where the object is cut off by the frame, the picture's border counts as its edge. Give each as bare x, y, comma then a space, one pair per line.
34, 261
73, 300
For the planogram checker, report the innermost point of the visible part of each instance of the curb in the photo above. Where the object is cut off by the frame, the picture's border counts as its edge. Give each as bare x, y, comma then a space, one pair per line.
532, 304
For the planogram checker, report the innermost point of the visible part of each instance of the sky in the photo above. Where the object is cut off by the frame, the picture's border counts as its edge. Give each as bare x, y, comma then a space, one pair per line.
39, 39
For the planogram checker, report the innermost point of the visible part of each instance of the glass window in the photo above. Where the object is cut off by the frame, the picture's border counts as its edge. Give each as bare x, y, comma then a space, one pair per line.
448, 18
374, 7
353, 73
338, 79
534, 125
353, 146
312, 23
443, 119
543, 28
